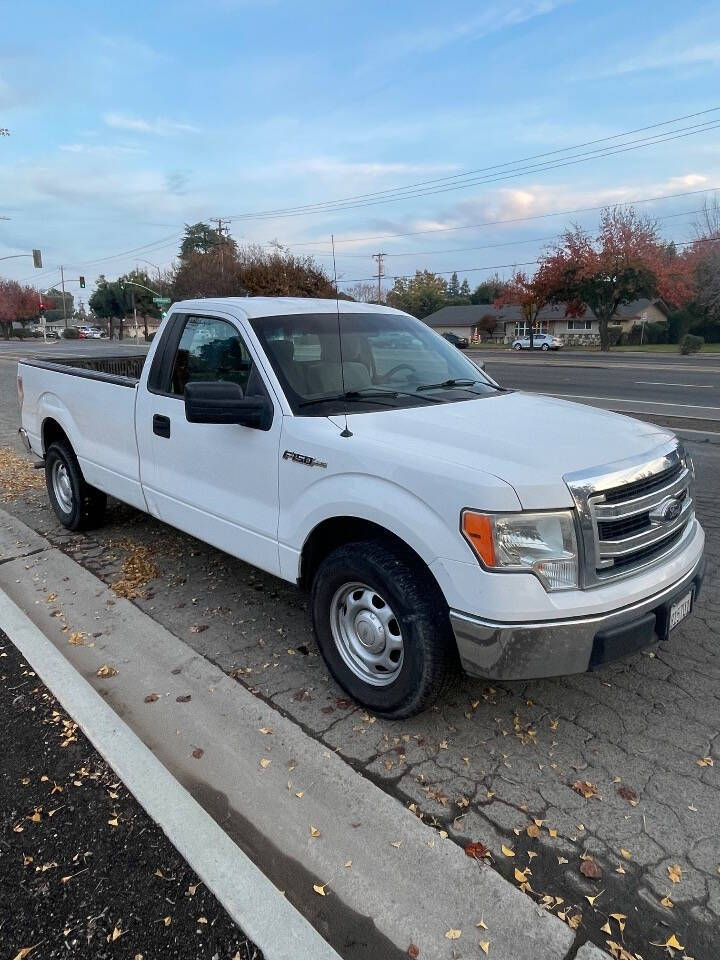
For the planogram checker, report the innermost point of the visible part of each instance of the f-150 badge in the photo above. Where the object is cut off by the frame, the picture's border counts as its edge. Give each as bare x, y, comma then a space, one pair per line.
302, 458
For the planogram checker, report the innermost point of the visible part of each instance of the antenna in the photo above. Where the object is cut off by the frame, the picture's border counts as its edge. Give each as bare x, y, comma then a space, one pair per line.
346, 432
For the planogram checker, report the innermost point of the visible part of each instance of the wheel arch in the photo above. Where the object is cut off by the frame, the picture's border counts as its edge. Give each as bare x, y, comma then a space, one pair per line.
335, 531
50, 432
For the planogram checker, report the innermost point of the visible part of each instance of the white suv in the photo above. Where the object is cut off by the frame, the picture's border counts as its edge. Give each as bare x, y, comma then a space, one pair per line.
541, 341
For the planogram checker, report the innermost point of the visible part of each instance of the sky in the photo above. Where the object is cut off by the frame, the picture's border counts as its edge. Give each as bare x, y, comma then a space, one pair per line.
127, 121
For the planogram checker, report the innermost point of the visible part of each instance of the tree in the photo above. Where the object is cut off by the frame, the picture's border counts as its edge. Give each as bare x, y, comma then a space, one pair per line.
465, 290
364, 291
489, 291
139, 291
109, 301
202, 238
420, 295
54, 313
530, 294
453, 290
18, 304
623, 262
705, 253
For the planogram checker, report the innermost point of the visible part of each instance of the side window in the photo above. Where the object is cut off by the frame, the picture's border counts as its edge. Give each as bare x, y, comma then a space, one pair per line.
210, 349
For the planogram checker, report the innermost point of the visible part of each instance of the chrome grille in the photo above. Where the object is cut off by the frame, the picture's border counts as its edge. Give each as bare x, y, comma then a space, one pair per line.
633, 513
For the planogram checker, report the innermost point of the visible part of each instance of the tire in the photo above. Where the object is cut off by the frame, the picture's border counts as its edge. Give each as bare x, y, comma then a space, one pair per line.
517, 346
361, 576
544, 347
77, 505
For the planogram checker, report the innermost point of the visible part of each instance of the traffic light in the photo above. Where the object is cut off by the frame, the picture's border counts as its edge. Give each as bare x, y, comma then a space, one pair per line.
82, 282
37, 259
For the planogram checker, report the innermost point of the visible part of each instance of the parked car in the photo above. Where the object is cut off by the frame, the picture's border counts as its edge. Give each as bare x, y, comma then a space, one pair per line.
405, 489
541, 341
461, 343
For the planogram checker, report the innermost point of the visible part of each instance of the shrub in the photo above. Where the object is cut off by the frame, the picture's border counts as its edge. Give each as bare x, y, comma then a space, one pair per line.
691, 344
70, 333
614, 334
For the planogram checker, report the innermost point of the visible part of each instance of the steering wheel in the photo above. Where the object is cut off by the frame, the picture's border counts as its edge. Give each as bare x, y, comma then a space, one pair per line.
396, 369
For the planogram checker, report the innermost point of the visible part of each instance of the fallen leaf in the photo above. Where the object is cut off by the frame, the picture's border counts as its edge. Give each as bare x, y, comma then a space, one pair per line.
620, 870
116, 934
396, 843
477, 850
184, 698
77, 638
552, 831
521, 875
266, 730
675, 873
561, 861
485, 946
453, 934
591, 900
627, 794
482, 925
113, 822
606, 928
626, 854
24, 952
588, 868
198, 627
314, 832
533, 830
299, 794
348, 863
167, 921
620, 918
151, 698
667, 902
105, 671
585, 788
202, 919
672, 941
320, 888
507, 851
265, 763
413, 951
705, 762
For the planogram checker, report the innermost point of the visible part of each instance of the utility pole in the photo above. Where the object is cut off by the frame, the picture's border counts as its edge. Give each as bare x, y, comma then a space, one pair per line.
62, 282
221, 235
380, 272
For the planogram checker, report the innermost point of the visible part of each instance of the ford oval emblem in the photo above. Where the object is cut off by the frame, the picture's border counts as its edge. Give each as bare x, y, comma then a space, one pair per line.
667, 510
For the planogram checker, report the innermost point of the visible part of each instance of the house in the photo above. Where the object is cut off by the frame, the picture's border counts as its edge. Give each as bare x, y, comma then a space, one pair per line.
473, 320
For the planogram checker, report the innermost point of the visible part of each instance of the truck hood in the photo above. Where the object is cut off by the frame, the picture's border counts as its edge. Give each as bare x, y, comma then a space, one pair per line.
530, 441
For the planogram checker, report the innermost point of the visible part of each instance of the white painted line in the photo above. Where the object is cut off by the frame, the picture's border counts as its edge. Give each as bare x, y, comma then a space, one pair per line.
252, 901
652, 403
693, 386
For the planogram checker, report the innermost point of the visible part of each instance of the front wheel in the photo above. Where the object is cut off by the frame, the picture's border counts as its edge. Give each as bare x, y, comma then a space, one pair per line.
544, 347
382, 627
77, 505
517, 346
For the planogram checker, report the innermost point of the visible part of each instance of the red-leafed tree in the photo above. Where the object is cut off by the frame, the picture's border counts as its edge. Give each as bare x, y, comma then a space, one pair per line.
17, 304
625, 261
529, 293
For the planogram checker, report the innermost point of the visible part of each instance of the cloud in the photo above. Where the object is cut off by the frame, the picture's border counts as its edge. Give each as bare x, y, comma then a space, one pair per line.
343, 168
98, 150
493, 19
664, 56
160, 126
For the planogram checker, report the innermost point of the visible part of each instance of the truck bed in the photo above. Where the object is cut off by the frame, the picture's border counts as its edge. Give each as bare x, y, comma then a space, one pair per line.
116, 368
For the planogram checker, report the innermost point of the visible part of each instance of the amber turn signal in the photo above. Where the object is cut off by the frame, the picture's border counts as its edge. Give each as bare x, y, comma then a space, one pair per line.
477, 530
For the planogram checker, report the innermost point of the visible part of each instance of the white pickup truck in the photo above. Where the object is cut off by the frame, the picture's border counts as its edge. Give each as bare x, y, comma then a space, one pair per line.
348, 448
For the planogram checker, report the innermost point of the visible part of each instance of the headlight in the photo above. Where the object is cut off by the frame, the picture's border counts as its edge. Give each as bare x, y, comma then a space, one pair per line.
539, 543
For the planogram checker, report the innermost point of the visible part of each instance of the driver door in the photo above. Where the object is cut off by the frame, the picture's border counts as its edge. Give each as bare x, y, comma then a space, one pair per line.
218, 482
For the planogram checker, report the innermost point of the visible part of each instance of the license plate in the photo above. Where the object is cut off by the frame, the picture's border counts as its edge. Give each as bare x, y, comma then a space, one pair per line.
679, 610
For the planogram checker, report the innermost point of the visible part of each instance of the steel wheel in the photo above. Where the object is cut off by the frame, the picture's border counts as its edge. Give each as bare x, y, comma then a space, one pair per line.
366, 634
62, 487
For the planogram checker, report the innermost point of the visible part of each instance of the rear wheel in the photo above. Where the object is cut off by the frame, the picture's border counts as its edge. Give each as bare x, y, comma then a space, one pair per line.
77, 505
545, 347
382, 627
518, 346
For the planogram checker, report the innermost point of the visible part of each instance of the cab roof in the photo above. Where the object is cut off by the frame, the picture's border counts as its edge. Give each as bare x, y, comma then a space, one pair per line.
252, 307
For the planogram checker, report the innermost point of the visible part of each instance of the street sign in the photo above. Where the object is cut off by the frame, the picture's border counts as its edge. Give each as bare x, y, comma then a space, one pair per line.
162, 301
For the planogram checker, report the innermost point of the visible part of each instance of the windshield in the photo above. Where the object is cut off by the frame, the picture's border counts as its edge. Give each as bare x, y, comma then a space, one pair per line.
388, 360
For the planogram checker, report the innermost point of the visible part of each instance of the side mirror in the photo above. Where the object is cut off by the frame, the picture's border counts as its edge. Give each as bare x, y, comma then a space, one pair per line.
224, 402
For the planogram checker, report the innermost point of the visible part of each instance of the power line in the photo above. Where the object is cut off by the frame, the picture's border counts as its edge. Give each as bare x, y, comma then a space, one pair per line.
410, 191
493, 223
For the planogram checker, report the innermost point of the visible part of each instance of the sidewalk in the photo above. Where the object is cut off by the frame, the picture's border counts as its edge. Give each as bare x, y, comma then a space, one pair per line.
84, 872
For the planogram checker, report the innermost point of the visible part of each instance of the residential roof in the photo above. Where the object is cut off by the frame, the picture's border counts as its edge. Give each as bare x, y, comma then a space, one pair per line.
468, 315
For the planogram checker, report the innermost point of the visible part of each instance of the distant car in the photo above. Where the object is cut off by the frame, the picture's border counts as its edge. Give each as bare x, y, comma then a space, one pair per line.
460, 342
541, 341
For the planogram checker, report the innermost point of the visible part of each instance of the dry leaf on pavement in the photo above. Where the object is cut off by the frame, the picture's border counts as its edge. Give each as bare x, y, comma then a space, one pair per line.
585, 788
265, 763
453, 934
627, 794
588, 868
319, 888
507, 851
675, 872
485, 946
106, 671
413, 951
151, 698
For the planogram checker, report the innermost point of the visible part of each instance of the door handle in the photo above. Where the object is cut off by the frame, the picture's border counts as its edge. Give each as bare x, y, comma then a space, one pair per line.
161, 426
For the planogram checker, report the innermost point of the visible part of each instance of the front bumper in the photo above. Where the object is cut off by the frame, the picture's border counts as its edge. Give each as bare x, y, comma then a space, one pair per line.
551, 648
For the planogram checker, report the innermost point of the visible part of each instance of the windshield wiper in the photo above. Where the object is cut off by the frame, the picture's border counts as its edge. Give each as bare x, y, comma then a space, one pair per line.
367, 395
458, 382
